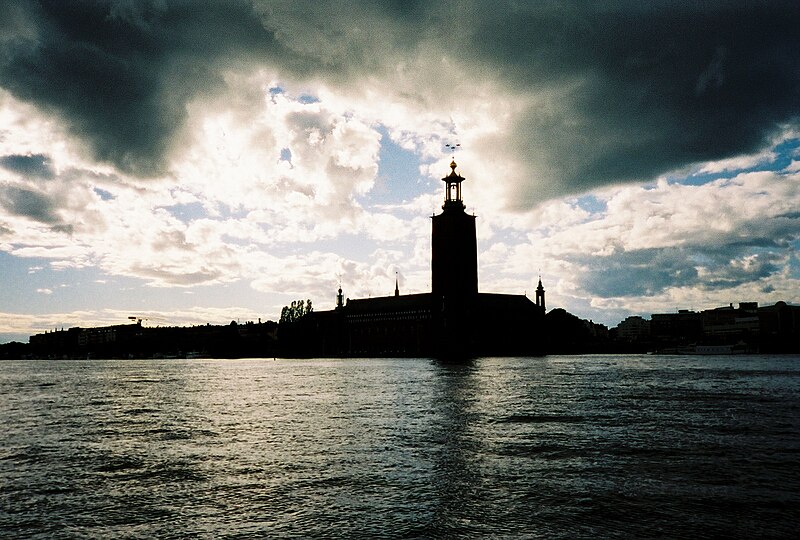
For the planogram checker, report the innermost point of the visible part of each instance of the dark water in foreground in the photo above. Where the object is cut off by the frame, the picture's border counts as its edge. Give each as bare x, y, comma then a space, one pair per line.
601, 446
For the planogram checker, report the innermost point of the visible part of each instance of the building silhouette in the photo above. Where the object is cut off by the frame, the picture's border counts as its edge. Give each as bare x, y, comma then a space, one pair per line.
454, 246
726, 329
454, 319
136, 341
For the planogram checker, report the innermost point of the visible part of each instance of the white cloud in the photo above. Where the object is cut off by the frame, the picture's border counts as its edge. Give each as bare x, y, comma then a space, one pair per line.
734, 231
264, 219
737, 163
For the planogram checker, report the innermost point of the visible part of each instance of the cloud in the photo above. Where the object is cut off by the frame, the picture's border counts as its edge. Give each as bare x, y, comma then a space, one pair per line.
36, 166
192, 144
648, 90
581, 95
660, 245
121, 73
29, 203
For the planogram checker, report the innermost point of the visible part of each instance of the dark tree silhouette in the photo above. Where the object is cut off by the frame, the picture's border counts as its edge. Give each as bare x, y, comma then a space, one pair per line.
296, 311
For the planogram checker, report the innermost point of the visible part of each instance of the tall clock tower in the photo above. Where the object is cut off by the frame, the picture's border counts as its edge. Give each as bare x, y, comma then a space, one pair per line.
454, 251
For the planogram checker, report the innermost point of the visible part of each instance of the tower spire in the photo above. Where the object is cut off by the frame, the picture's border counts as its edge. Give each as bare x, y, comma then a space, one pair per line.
540, 295
396, 285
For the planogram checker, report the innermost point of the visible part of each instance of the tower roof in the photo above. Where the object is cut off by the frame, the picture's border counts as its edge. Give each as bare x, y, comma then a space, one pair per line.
453, 176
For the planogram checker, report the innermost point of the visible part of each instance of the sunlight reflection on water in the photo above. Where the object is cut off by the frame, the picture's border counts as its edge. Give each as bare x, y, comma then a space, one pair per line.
543, 447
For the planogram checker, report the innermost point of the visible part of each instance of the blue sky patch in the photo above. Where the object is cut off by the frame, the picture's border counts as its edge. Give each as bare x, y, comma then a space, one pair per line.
307, 99
103, 194
187, 212
399, 177
591, 204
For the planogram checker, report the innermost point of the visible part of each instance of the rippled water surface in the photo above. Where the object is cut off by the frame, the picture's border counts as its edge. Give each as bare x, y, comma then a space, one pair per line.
603, 446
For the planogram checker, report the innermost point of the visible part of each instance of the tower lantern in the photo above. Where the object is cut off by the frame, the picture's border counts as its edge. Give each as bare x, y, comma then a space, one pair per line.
452, 193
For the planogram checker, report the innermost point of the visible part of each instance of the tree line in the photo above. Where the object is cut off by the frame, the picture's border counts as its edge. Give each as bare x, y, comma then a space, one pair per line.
296, 311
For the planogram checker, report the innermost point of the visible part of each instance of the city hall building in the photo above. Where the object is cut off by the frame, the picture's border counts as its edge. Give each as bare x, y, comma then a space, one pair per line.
454, 319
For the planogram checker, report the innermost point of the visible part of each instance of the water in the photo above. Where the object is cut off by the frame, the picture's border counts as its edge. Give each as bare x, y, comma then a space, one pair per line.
554, 447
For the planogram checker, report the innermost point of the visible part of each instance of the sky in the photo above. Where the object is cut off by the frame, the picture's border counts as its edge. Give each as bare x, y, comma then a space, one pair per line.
193, 162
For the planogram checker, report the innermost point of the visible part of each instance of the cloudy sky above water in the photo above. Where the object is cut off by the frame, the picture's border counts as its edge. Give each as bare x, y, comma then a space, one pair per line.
190, 162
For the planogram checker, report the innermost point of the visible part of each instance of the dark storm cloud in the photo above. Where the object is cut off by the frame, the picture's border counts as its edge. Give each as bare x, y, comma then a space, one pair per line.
618, 91
121, 73
641, 88
36, 165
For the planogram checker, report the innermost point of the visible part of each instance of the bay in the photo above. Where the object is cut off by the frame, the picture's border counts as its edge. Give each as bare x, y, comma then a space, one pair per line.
551, 447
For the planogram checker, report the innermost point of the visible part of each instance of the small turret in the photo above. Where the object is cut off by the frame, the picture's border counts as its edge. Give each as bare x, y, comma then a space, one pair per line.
339, 299
540, 295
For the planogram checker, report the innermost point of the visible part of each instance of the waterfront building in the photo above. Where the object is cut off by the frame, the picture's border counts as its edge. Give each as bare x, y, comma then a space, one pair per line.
745, 328
454, 319
634, 328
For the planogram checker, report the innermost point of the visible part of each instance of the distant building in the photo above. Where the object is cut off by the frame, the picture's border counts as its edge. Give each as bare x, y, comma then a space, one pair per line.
136, 341
725, 325
779, 328
746, 328
676, 328
57, 343
453, 319
107, 340
634, 329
